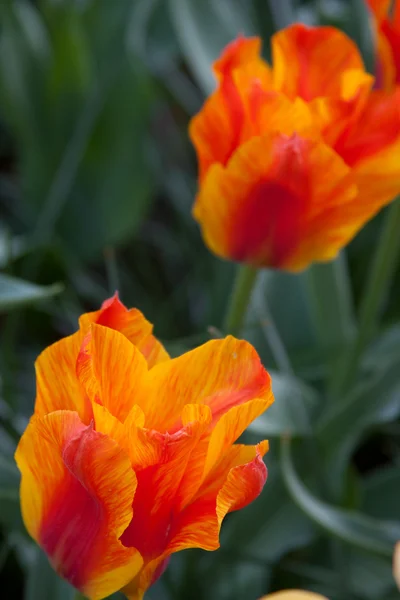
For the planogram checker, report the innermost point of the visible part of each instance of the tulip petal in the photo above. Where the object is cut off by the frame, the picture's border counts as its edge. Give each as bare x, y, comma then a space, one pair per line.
236, 455
240, 480
372, 148
150, 527
378, 181
131, 323
111, 369
279, 202
231, 426
389, 48
376, 130
309, 62
212, 133
219, 374
225, 118
145, 447
199, 524
294, 595
215, 455
380, 8
57, 386
334, 115
76, 494
237, 54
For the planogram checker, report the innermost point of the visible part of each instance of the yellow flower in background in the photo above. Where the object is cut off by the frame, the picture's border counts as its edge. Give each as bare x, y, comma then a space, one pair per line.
396, 564
294, 595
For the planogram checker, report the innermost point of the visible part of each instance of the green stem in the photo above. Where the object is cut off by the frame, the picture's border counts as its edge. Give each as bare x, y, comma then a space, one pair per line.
79, 596
376, 290
239, 299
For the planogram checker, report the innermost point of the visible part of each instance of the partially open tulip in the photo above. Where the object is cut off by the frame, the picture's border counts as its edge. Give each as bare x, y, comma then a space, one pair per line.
386, 17
130, 455
294, 595
295, 158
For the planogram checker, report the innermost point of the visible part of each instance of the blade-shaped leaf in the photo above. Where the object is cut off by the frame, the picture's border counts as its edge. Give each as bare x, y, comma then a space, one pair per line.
381, 493
350, 526
375, 400
15, 293
291, 411
204, 30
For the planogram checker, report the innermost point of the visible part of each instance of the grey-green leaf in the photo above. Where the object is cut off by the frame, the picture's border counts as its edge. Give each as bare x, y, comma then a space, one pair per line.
15, 292
203, 31
291, 411
350, 526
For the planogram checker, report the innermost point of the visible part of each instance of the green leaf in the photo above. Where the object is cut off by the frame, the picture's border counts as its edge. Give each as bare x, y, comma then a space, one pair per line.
350, 526
373, 401
43, 582
86, 178
9, 478
384, 349
203, 33
370, 576
291, 317
359, 28
291, 412
10, 515
331, 303
15, 293
381, 493
11, 247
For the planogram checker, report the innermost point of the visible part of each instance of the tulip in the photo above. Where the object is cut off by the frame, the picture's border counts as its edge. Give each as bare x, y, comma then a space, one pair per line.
387, 27
293, 595
295, 158
130, 455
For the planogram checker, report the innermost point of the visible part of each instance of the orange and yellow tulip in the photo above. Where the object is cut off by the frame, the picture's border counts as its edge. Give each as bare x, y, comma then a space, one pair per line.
295, 158
387, 28
130, 454
293, 595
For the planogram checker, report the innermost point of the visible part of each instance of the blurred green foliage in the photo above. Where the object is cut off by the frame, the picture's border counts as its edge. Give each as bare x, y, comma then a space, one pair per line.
97, 178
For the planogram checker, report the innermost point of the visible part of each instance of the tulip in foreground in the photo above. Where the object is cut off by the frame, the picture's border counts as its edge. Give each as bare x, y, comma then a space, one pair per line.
130, 455
386, 16
295, 158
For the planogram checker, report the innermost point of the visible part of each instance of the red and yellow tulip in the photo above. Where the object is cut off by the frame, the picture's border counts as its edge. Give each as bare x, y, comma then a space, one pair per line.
295, 158
130, 455
387, 28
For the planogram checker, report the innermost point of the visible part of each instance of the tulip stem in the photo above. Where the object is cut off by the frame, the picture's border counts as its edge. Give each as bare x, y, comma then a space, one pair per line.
239, 299
376, 291
79, 596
